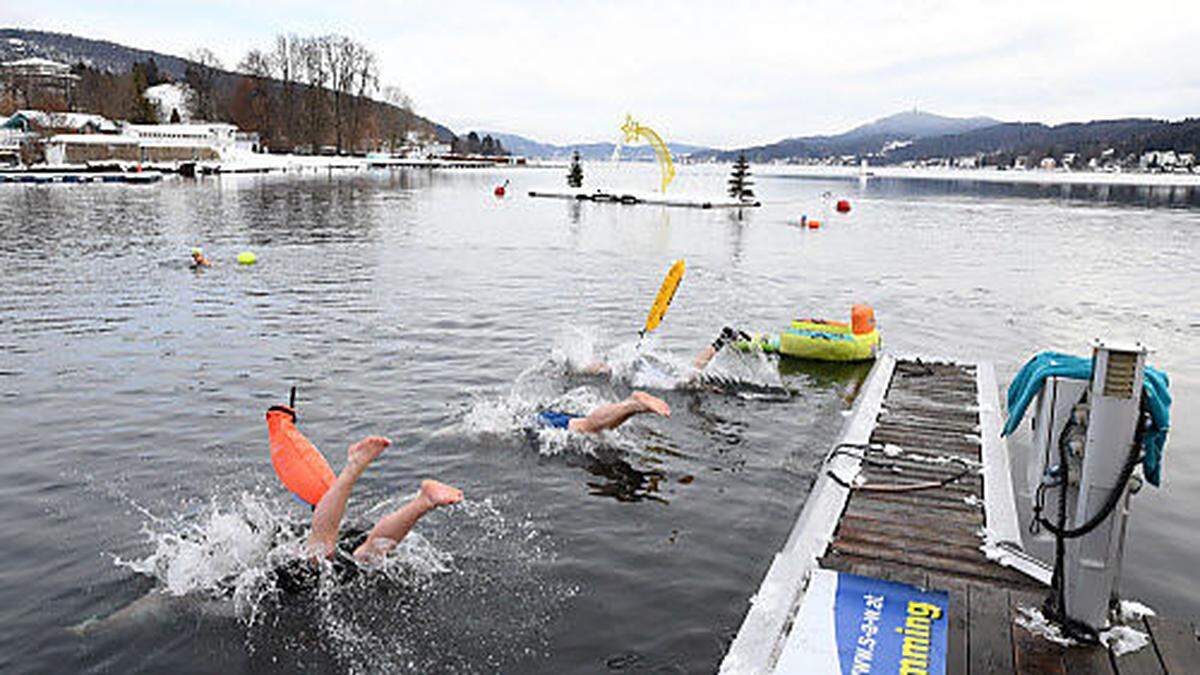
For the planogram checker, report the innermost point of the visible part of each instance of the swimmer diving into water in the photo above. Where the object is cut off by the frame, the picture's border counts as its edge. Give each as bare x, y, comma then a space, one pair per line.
389, 530
726, 337
306, 473
609, 416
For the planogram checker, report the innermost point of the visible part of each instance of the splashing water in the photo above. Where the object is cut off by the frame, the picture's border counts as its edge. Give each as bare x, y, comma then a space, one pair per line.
399, 614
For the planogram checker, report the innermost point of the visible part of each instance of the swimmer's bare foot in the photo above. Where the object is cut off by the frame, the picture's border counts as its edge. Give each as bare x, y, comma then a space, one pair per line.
651, 403
438, 494
362, 452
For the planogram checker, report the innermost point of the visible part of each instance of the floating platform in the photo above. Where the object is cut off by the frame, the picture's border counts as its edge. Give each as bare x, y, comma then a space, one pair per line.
937, 425
631, 199
44, 177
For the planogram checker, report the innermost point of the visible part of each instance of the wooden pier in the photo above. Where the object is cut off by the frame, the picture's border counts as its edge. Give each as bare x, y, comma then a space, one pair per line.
918, 491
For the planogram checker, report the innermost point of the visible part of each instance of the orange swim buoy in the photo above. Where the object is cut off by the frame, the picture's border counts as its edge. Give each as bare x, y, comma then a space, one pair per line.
298, 463
814, 224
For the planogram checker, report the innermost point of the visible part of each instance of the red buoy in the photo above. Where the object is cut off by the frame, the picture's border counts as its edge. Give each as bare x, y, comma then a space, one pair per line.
843, 206
499, 191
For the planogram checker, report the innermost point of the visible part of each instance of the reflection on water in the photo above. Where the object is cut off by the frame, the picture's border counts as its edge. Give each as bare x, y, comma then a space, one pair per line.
1151, 196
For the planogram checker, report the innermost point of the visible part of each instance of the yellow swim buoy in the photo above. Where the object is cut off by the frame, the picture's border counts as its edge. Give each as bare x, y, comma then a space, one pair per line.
246, 258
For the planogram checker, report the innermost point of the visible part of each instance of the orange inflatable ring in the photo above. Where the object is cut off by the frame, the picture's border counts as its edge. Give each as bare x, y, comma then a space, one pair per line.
298, 463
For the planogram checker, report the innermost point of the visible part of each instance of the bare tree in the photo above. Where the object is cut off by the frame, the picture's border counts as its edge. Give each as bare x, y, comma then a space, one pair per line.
397, 116
201, 76
251, 106
367, 84
315, 73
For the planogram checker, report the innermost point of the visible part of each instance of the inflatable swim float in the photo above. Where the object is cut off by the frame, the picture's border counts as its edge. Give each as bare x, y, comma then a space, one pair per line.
822, 340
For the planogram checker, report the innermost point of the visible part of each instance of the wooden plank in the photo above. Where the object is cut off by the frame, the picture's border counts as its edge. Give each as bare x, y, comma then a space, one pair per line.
983, 570
899, 547
1144, 661
884, 528
928, 512
913, 576
990, 630
934, 500
1087, 660
1033, 653
1176, 644
956, 622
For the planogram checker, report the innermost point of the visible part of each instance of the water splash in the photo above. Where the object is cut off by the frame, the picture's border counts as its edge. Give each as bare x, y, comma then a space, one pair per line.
412, 610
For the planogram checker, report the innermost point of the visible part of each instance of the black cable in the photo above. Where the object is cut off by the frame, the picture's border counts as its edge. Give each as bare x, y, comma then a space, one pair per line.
1073, 628
897, 487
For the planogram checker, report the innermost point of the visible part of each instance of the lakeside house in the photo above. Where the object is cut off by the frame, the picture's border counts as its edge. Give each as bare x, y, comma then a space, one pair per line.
151, 143
44, 122
25, 80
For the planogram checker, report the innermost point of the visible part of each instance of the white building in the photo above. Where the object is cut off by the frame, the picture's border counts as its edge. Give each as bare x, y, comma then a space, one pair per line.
218, 137
146, 143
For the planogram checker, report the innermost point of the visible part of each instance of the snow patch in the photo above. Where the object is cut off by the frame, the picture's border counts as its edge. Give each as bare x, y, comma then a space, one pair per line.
1122, 640
1032, 620
1132, 610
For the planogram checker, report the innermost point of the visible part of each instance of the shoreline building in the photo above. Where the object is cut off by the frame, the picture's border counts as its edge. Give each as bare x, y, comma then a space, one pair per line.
36, 82
147, 143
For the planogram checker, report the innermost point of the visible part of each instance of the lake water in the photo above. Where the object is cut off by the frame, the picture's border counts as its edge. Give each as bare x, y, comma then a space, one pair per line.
136, 479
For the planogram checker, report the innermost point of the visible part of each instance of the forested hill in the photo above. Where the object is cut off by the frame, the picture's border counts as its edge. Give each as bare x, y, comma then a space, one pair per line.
918, 136
110, 57
872, 137
1086, 139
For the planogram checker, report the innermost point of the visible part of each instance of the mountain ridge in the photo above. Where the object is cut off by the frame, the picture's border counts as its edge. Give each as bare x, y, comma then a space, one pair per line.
593, 151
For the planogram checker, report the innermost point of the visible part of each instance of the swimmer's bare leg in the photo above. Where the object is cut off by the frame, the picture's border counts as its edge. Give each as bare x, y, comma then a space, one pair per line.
728, 335
596, 368
613, 415
703, 357
394, 527
327, 517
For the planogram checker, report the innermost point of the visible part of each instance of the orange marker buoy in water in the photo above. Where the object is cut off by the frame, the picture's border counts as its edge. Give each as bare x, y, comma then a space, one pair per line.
298, 463
843, 206
814, 224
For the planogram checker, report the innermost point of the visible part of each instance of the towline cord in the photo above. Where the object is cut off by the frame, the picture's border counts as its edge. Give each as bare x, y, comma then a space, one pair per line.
842, 449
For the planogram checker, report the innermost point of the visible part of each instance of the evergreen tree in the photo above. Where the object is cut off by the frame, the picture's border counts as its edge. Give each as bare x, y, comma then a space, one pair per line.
141, 110
739, 180
575, 175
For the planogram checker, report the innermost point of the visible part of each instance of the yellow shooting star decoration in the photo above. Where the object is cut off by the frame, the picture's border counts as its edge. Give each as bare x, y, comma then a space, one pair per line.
635, 132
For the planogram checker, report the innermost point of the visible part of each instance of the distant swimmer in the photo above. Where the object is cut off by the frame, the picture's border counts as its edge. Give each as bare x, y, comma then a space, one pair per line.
608, 416
198, 259
305, 472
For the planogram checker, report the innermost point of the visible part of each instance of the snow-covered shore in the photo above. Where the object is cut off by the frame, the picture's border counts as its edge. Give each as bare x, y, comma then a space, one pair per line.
1036, 176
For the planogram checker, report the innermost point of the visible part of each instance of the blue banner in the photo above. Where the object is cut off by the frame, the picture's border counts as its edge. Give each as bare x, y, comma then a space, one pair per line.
857, 625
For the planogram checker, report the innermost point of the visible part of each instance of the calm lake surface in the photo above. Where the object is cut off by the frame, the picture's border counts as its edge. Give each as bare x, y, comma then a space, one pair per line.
142, 519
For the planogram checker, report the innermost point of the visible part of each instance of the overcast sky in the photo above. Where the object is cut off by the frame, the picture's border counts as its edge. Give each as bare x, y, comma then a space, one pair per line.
723, 73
